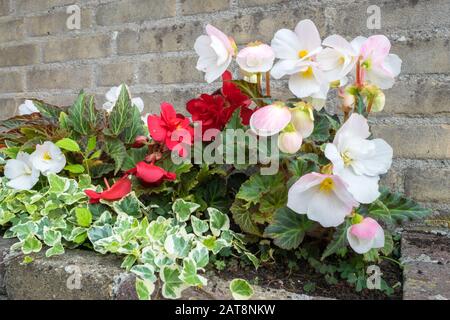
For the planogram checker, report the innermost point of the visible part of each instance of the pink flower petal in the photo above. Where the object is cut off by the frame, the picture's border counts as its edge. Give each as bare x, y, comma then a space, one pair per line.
366, 229
270, 119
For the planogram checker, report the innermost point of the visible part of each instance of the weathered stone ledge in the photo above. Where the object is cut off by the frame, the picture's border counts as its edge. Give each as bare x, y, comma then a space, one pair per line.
81, 274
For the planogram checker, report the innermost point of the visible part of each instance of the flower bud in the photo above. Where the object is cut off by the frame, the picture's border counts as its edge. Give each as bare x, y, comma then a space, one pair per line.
303, 118
140, 141
348, 100
378, 102
290, 142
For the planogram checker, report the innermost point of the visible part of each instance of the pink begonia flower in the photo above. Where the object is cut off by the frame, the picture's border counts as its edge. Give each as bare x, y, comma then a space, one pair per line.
257, 57
365, 235
337, 59
293, 124
215, 51
357, 160
379, 67
323, 198
297, 52
270, 120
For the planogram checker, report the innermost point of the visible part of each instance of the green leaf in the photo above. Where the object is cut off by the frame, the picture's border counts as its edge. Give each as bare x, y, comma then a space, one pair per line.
177, 245
74, 168
68, 144
116, 150
52, 237
91, 144
144, 271
144, 289
136, 126
258, 186
31, 244
173, 285
63, 121
321, 130
199, 226
130, 205
134, 156
47, 110
77, 115
200, 255
57, 184
241, 289
388, 243
243, 217
58, 249
339, 240
84, 217
189, 274
184, 209
394, 207
288, 228
120, 118
218, 221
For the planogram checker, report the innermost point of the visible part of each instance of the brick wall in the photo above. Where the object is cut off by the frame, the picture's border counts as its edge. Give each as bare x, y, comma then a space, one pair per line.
148, 44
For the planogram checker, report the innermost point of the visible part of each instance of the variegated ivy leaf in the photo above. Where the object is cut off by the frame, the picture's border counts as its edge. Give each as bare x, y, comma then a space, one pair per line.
144, 289
130, 205
58, 184
199, 226
84, 217
31, 244
241, 289
58, 249
189, 274
157, 229
200, 255
22, 231
147, 256
177, 245
96, 233
218, 221
51, 237
173, 285
184, 209
144, 271
128, 262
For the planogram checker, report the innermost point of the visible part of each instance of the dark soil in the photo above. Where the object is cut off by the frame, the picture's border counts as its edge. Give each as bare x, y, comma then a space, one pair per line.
277, 276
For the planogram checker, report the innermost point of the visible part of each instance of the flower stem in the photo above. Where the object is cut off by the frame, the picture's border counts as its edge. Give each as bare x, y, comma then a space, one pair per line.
268, 83
358, 73
106, 183
369, 105
258, 83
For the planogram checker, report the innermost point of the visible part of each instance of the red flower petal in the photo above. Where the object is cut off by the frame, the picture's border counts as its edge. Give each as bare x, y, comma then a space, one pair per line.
156, 128
118, 191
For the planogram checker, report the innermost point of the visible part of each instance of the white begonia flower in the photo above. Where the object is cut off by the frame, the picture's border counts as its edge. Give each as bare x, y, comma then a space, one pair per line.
337, 59
27, 107
48, 158
113, 95
323, 198
21, 173
297, 52
215, 51
378, 66
256, 57
357, 160
365, 235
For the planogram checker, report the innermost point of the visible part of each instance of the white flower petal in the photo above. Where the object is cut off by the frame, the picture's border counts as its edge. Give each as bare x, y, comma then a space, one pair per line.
363, 188
355, 126
286, 45
378, 241
333, 155
308, 34
139, 103
327, 209
378, 161
27, 108
302, 86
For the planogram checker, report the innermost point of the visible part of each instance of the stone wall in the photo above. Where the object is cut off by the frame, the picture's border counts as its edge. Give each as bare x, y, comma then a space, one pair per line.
148, 44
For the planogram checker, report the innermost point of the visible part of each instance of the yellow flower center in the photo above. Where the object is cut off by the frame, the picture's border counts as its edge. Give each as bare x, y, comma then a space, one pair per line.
367, 64
308, 73
302, 53
327, 185
47, 156
341, 60
347, 160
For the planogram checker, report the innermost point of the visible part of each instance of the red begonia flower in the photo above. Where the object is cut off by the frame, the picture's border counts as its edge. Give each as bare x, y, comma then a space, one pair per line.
170, 128
214, 111
150, 174
119, 190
